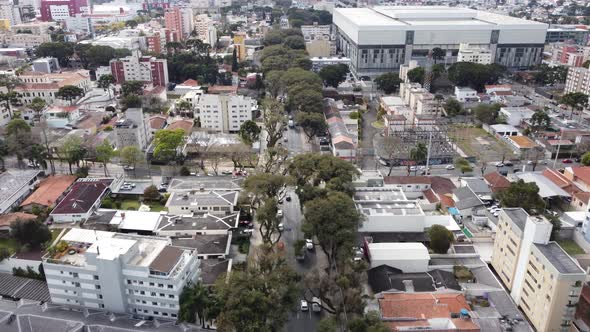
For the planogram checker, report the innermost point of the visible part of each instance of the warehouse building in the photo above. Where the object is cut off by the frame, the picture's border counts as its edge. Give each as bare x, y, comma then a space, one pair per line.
382, 38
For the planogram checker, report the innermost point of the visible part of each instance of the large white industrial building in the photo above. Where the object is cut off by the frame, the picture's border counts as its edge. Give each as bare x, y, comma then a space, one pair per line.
380, 39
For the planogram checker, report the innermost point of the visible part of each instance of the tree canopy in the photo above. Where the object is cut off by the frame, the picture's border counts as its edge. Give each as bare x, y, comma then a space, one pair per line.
440, 239
30, 232
333, 75
388, 83
69, 93
488, 114
249, 132
313, 124
522, 194
475, 75
166, 142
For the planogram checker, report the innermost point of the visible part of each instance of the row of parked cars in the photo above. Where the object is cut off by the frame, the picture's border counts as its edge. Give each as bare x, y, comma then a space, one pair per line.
316, 305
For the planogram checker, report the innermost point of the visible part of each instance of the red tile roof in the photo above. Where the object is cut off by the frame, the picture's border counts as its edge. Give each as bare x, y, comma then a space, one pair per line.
186, 125
582, 173
560, 180
582, 196
217, 89
190, 82
496, 181
442, 185
82, 197
7, 219
50, 190
158, 122
415, 309
431, 196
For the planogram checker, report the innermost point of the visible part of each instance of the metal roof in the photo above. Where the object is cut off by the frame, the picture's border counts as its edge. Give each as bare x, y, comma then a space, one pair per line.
23, 288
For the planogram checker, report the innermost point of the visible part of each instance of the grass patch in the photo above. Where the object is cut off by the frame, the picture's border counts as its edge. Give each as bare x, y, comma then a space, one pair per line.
10, 244
54, 234
571, 247
156, 207
378, 124
466, 138
129, 204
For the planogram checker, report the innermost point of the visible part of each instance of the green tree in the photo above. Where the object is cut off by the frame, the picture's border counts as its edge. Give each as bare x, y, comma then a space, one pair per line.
388, 83
131, 101
475, 75
184, 171
184, 106
166, 143
295, 42
72, 151
260, 298
60, 50
132, 88
333, 220
69, 93
274, 119
463, 165
438, 54
370, 322
440, 239
540, 121
105, 82
249, 132
327, 324
99, 55
586, 159
522, 194
556, 223
575, 100
37, 154
333, 75
9, 99
30, 232
37, 105
151, 194
104, 154
488, 114
416, 75
18, 138
268, 221
453, 107
418, 155
274, 83
313, 124
199, 301
265, 186
131, 23
131, 155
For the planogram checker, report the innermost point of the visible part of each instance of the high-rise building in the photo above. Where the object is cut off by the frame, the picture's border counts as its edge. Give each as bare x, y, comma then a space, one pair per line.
382, 38
179, 20
224, 113
9, 11
59, 10
140, 68
121, 273
544, 281
132, 130
578, 80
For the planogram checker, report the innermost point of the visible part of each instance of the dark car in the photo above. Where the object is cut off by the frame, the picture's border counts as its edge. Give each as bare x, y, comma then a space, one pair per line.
567, 161
288, 198
508, 163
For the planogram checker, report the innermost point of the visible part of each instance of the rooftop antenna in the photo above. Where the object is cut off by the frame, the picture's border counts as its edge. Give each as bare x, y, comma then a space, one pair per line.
97, 247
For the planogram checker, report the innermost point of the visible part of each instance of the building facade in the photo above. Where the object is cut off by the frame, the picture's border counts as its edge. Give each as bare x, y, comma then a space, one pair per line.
179, 20
578, 80
224, 113
467, 53
121, 273
60, 10
381, 39
45, 86
136, 67
560, 34
132, 130
544, 281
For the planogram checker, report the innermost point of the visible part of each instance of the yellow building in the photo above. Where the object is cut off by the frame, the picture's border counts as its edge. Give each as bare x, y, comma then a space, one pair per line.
240, 44
4, 24
544, 281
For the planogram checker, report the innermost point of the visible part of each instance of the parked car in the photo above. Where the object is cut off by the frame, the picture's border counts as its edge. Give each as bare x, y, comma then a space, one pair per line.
508, 163
450, 167
288, 198
280, 213
281, 227
128, 168
316, 304
413, 168
309, 244
304, 306
567, 161
499, 164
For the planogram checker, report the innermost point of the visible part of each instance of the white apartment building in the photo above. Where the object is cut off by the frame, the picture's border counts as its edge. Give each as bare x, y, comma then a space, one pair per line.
475, 54
9, 11
578, 80
206, 31
310, 32
132, 130
121, 273
80, 24
224, 113
187, 17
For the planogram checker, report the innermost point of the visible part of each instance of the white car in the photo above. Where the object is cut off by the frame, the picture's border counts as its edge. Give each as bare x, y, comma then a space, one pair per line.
316, 304
529, 162
413, 168
280, 213
304, 306
309, 244
497, 213
450, 167
281, 227
499, 164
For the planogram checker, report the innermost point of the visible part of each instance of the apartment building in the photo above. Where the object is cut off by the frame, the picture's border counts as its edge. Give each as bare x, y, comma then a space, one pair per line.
59, 10
206, 31
224, 113
179, 20
132, 130
542, 278
475, 54
136, 67
121, 273
45, 86
80, 24
569, 54
578, 80
10, 12
319, 40
27, 34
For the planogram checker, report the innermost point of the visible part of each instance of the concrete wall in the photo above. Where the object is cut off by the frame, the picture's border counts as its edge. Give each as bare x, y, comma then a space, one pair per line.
7, 265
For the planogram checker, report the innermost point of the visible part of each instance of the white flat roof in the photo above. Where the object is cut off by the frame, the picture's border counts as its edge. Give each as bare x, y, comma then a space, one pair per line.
546, 187
136, 220
86, 235
398, 251
111, 248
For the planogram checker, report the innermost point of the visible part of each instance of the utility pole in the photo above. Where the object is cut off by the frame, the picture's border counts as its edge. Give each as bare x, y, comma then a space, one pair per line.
557, 154
428, 152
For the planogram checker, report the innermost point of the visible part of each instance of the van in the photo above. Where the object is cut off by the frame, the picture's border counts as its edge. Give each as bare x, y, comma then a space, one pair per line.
316, 304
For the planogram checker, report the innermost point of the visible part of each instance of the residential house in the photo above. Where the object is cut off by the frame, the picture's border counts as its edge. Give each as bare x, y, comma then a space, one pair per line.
542, 278
520, 144
579, 175
466, 201
464, 94
16, 186
516, 115
496, 181
344, 139
157, 123
201, 201
49, 192
432, 311
82, 200
409, 257
61, 116
9, 218
478, 186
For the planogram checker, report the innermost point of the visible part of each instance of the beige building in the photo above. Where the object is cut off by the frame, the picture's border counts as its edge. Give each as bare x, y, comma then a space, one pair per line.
544, 281
45, 86
578, 80
27, 34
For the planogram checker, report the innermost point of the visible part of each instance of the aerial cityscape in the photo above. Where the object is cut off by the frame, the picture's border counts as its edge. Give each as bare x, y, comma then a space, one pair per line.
294, 165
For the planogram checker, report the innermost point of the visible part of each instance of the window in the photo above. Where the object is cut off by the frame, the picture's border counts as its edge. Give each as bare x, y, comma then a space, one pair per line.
156, 313
142, 292
153, 293
141, 282
152, 284
97, 286
95, 277
173, 315
170, 286
162, 295
171, 296
161, 285
154, 303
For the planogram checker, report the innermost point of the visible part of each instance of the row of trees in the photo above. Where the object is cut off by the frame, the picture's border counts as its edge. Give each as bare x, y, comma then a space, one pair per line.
89, 56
